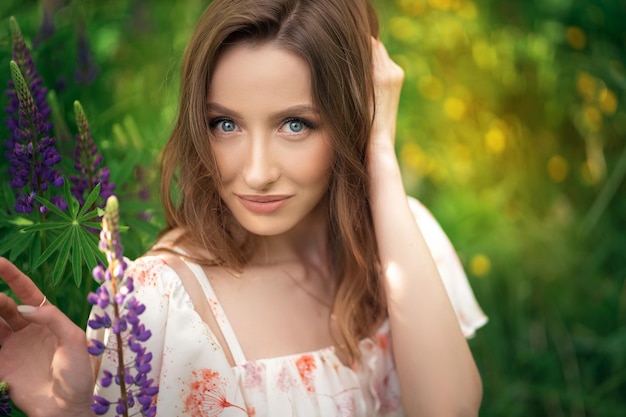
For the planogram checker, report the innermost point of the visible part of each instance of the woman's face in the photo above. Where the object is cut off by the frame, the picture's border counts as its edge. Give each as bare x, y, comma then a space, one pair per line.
272, 149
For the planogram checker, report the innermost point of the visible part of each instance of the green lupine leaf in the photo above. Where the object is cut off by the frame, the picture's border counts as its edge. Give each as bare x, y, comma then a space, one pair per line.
61, 261
93, 225
73, 206
88, 254
77, 257
8, 195
7, 241
20, 244
35, 248
88, 216
92, 243
72, 202
91, 198
54, 246
50, 206
20, 221
45, 226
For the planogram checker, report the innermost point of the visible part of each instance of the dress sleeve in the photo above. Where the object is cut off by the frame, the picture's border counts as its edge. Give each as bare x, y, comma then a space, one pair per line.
467, 310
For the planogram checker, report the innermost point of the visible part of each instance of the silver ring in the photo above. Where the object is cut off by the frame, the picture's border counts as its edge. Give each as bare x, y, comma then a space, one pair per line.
43, 301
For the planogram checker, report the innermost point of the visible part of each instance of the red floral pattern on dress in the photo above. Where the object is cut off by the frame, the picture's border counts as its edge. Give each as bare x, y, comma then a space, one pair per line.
306, 365
254, 375
282, 380
146, 271
207, 396
383, 341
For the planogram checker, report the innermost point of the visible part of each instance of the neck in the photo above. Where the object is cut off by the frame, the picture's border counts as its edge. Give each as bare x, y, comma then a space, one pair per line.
306, 243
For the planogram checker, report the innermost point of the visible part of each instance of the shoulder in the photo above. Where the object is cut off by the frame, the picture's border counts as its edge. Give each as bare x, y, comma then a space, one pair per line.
175, 244
148, 270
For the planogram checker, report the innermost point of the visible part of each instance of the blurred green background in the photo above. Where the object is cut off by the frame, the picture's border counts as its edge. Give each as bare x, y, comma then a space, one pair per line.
512, 130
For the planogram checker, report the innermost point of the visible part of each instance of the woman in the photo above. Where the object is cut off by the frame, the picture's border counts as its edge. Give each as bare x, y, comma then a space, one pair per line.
293, 278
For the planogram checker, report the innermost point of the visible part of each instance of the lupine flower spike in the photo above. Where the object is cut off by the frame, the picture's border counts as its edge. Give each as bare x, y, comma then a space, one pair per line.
21, 55
87, 162
86, 69
34, 157
5, 408
120, 312
47, 28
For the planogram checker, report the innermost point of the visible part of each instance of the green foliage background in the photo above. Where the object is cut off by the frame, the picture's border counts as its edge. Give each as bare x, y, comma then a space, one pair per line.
512, 131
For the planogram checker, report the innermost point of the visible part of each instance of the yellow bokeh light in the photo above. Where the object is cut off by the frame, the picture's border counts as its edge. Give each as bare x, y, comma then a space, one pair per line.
440, 4
412, 7
480, 265
607, 101
592, 118
414, 160
412, 157
484, 55
454, 108
576, 37
430, 87
586, 85
595, 169
468, 10
495, 140
558, 168
402, 28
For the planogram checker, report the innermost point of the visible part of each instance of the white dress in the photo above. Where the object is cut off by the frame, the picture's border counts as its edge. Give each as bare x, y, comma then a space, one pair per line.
196, 379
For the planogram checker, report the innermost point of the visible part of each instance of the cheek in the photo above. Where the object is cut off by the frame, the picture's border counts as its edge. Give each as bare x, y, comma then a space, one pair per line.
314, 166
226, 162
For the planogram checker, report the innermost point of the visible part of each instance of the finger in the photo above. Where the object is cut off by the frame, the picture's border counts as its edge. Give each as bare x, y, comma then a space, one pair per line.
59, 324
22, 286
5, 331
8, 312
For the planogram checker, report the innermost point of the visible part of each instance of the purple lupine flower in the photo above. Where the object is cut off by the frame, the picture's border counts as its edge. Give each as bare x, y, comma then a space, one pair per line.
86, 69
21, 55
120, 315
87, 162
5, 407
34, 157
47, 27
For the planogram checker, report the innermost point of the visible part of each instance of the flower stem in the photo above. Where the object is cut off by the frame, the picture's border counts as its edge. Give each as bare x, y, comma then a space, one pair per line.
120, 352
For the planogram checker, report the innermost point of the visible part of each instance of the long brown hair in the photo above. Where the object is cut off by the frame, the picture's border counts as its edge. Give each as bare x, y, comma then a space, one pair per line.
334, 38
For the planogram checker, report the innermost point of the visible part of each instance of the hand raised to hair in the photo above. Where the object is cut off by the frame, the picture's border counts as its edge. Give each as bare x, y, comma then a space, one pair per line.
43, 354
388, 79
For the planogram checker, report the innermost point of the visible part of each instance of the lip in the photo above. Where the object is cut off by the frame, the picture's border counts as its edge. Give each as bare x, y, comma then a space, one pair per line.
263, 203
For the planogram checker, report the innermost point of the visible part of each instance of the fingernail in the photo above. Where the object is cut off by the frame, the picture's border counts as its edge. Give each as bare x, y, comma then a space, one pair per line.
24, 309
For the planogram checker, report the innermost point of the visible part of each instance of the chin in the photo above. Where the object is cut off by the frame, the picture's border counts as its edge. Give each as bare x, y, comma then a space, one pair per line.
265, 228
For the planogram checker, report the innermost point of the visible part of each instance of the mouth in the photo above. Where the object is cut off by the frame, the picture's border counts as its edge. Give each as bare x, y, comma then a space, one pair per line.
263, 204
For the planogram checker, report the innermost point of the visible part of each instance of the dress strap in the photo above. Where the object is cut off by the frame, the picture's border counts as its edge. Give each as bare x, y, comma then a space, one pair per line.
218, 313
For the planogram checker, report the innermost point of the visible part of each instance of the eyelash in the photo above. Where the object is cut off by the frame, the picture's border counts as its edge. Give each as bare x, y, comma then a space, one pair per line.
307, 124
214, 122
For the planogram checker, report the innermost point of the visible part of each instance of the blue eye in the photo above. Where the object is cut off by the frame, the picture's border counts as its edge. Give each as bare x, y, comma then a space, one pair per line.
224, 125
297, 125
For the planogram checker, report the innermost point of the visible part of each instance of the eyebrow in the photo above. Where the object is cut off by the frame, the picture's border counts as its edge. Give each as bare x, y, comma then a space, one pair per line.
289, 111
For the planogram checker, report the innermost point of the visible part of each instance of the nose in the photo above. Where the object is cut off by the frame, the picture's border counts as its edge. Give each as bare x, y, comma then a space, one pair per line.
260, 170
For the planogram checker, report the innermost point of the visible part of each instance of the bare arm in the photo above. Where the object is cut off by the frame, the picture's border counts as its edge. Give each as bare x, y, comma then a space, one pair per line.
44, 355
437, 373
